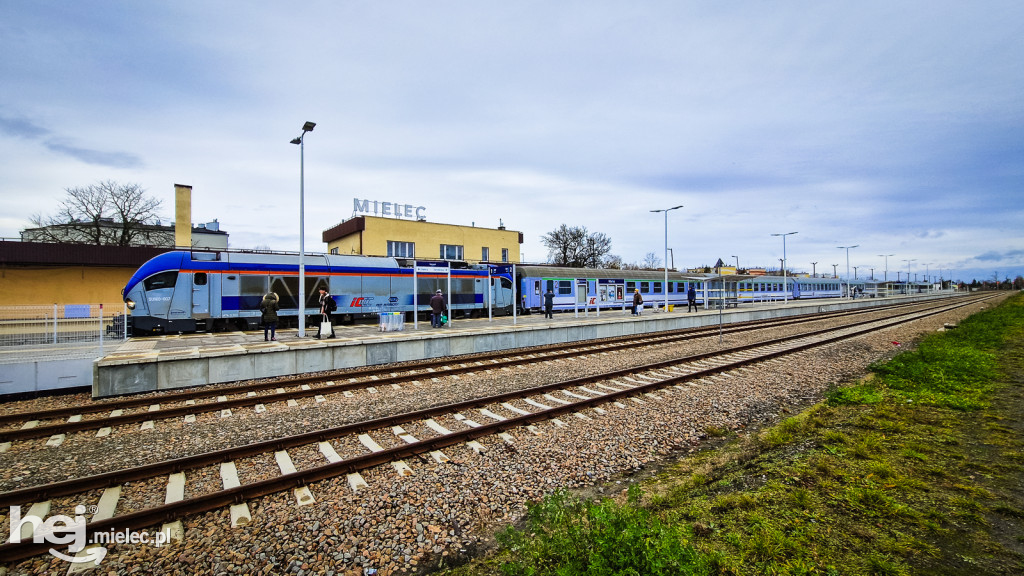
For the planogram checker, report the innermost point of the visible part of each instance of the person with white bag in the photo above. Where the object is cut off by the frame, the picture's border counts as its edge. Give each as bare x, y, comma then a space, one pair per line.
327, 305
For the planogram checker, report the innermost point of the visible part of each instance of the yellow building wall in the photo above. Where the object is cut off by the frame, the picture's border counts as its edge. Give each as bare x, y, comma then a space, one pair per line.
428, 237
35, 286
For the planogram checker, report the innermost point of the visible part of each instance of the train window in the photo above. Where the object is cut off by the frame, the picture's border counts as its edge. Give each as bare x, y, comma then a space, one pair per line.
564, 287
551, 285
199, 279
162, 280
645, 287
536, 287
657, 287
630, 287
250, 292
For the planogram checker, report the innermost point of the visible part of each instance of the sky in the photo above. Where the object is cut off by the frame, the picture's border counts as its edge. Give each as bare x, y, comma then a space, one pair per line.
894, 126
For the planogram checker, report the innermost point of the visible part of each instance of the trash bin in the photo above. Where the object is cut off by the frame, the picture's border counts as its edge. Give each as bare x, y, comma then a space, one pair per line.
671, 307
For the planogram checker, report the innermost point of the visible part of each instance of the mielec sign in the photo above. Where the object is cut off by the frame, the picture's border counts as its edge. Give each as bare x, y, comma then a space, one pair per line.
392, 209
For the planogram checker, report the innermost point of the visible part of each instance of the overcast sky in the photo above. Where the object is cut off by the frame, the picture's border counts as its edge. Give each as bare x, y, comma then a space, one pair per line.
895, 126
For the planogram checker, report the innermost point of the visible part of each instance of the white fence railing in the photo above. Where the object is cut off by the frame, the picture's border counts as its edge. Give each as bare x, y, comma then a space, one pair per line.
63, 323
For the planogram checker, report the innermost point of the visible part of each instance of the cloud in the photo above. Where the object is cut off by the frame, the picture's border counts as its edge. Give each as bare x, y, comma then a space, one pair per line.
97, 157
21, 128
1007, 256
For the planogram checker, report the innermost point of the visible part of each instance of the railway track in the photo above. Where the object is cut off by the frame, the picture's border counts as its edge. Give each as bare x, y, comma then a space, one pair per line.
188, 404
581, 397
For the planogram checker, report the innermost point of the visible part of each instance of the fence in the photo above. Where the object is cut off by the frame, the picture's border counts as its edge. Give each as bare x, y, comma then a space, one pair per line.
63, 324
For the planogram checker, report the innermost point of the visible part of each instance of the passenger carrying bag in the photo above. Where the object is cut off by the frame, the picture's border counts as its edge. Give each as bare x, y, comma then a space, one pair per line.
325, 327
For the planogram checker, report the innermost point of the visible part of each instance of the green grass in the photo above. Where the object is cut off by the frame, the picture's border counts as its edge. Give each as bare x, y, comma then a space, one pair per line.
913, 471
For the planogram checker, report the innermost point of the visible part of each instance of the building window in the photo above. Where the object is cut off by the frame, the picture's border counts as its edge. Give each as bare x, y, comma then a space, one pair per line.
504, 254
485, 254
401, 249
451, 252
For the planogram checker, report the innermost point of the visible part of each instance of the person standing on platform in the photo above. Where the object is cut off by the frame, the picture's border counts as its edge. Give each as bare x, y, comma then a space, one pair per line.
437, 307
691, 299
549, 303
269, 308
327, 305
638, 303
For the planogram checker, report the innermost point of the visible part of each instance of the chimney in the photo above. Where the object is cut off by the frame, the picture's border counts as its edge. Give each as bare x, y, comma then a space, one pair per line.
182, 216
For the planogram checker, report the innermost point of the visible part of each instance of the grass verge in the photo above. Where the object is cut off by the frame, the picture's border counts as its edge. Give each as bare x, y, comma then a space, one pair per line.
913, 471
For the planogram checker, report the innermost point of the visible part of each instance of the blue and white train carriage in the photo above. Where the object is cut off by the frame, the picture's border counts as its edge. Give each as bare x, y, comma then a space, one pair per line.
186, 291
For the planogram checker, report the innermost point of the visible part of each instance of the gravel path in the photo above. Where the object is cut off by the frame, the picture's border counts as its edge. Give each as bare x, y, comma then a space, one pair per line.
405, 525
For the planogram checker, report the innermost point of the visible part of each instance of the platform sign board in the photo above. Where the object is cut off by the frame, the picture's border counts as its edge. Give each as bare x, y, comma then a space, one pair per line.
432, 267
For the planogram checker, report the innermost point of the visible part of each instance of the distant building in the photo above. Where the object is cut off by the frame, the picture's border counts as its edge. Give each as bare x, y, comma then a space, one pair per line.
205, 235
33, 273
377, 236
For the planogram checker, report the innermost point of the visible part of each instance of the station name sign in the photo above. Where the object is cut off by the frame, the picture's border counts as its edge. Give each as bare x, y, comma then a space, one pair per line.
392, 209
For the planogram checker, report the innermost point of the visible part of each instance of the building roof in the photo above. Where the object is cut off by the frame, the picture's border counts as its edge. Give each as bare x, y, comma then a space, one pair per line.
47, 254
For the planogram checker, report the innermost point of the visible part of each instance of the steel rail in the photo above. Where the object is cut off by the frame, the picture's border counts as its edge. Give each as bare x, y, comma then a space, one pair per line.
406, 373
169, 512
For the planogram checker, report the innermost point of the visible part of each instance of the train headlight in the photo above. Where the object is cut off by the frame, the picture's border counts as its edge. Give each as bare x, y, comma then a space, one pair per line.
130, 303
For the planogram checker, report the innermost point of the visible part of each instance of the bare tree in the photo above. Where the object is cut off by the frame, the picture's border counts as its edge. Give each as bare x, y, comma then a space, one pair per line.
650, 261
613, 262
106, 213
576, 247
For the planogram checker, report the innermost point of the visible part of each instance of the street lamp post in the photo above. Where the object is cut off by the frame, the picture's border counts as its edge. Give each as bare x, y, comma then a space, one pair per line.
908, 273
665, 286
847, 248
301, 141
785, 295
886, 256
814, 269
834, 274
737, 263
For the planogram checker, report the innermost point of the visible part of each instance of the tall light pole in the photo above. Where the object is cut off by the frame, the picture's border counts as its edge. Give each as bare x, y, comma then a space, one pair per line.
926, 279
301, 141
814, 269
737, 263
886, 256
785, 294
834, 274
665, 286
847, 248
908, 273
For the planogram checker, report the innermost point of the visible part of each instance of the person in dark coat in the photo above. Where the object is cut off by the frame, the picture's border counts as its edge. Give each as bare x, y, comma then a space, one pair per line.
638, 302
269, 308
549, 303
327, 305
691, 299
437, 307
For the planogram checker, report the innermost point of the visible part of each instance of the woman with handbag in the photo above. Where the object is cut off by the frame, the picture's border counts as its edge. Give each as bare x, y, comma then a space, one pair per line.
327, 305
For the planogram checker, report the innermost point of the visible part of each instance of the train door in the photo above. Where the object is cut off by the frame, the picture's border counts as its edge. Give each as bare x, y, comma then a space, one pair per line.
582, 287
200, 295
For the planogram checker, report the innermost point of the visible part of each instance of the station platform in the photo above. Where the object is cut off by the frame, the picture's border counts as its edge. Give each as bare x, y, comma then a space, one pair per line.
169, 362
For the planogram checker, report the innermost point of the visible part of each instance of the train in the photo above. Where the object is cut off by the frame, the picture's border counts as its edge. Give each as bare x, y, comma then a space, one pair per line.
594, 289
199, 291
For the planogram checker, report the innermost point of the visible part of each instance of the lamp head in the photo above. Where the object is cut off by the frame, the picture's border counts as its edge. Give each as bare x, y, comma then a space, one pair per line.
308, 126
296, 140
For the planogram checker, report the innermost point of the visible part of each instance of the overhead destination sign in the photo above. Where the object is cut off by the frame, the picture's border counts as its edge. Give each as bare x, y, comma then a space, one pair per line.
391, 209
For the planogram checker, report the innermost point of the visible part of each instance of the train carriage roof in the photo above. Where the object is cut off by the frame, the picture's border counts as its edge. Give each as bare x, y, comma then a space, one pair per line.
602, 273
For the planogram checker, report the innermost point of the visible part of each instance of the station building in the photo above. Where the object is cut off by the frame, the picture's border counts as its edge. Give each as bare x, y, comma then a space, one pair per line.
398, 238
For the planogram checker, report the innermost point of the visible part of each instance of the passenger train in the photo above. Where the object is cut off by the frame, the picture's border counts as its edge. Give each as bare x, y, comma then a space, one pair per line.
188, 291
579, 289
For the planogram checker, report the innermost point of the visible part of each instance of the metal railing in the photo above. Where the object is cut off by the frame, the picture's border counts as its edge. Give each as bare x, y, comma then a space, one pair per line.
59, 324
